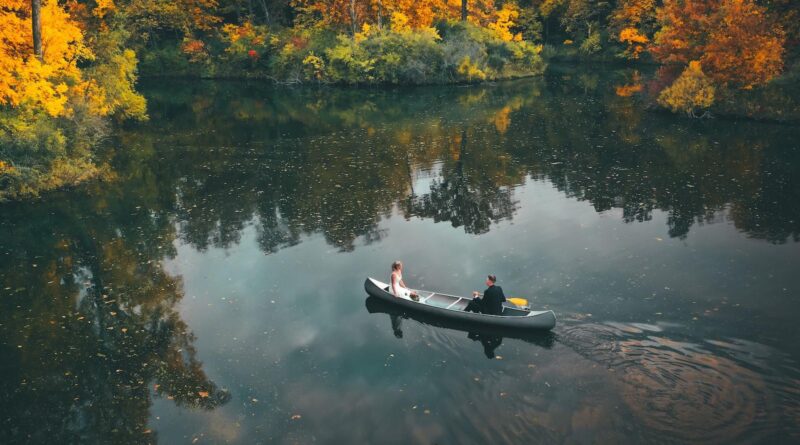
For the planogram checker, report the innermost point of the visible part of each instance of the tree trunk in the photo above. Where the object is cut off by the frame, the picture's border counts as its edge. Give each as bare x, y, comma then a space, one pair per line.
353, 16
36, 22
266, 12
463, 10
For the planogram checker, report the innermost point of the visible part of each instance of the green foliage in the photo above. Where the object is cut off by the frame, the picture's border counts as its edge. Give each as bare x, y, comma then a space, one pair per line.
591, 44
529, 23
39, 153
486, 52
401, 56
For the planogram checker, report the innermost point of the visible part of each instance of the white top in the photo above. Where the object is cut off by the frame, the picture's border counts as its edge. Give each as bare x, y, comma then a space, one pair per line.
396, 289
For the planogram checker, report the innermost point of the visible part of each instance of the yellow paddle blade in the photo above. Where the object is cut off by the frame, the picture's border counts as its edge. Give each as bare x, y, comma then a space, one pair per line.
518, 301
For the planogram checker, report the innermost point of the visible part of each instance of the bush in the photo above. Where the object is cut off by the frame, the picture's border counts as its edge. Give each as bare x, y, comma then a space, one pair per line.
592, 44
39, 153
452, 52
692, 91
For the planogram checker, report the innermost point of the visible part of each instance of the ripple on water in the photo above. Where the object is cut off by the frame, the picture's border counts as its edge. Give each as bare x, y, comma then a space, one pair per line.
715, 392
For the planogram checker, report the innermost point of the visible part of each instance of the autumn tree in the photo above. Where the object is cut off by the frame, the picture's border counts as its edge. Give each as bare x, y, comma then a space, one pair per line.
352, 14
737, 42
39, 79
634, 22
158, 19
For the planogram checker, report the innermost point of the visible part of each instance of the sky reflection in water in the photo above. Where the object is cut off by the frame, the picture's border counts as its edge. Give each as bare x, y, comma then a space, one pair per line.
214, 290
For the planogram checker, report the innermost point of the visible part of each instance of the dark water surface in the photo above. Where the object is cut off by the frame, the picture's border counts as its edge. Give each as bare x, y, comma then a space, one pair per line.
213, 290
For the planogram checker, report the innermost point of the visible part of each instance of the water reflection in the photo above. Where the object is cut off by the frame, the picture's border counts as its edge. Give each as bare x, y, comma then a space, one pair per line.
89, 331
335, 162
720, 391
489, 338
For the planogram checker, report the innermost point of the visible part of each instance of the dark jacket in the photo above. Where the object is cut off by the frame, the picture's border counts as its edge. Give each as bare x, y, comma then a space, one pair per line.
493, 299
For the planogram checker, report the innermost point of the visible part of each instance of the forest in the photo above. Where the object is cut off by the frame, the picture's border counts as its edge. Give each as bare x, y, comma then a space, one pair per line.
69, 68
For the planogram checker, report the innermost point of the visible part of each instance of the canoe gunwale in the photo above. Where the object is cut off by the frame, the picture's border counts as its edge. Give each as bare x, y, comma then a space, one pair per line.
533, 320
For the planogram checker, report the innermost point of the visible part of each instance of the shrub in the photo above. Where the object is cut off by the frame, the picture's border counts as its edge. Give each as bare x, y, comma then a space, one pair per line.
692, 91
592, 44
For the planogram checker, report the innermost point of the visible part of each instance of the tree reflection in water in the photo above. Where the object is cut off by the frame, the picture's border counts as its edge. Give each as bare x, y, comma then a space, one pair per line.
89, 331
89, 323
298, 162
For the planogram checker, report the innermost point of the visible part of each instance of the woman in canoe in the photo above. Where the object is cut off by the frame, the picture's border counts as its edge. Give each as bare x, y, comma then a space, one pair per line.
398, 286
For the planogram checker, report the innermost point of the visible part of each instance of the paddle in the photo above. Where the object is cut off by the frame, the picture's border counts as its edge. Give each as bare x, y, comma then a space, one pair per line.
521, 302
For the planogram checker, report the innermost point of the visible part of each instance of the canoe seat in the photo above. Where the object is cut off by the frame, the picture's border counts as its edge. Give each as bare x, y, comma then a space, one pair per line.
440, 300
514, 312
460, 305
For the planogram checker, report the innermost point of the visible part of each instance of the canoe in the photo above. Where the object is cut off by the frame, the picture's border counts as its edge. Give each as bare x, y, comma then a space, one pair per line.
539, 337
452, 307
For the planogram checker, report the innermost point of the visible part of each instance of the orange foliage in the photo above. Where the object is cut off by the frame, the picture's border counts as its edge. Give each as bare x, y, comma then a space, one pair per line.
633, 12
628, 90
633, 87
736, 41
419, 13
634, 40
748, 49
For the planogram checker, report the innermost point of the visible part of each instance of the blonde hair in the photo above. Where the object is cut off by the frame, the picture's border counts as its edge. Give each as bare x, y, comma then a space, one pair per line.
397, 264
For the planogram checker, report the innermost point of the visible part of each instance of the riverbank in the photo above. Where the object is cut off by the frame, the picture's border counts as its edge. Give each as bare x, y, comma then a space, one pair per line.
451, 52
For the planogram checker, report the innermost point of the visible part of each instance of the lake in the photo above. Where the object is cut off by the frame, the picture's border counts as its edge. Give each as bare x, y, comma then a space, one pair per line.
210, 290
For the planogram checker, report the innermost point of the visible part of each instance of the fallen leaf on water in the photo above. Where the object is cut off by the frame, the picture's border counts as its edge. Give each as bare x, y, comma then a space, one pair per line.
296, 416
203, 394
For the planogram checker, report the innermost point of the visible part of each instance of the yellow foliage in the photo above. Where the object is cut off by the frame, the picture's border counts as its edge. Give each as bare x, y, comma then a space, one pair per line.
24, 80
568, 42
314, 66
400, 22
111, 87
244, 33
690, 92
470, 71
366, 31
103, 8
505, 21
5, 167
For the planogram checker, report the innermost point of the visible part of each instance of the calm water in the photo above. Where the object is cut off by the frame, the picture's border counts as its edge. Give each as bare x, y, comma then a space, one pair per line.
212, 291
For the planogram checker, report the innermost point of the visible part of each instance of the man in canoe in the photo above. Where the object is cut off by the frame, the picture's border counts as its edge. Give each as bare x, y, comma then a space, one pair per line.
492, 301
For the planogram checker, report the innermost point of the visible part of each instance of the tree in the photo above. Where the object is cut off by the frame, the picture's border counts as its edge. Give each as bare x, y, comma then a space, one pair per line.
737, 42
43, 82
747, 48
